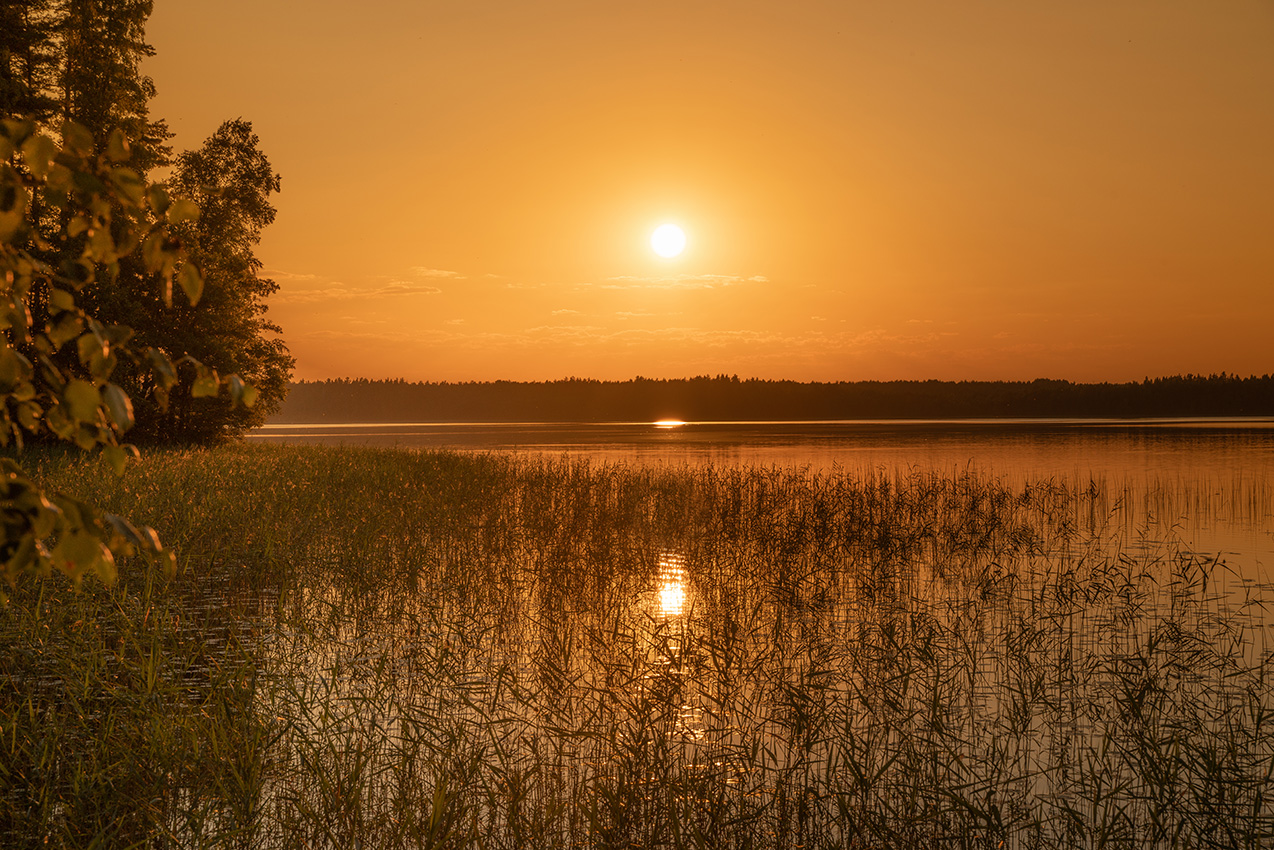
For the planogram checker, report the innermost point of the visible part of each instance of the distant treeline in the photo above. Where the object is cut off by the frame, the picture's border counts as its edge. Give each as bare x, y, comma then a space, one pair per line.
725, 397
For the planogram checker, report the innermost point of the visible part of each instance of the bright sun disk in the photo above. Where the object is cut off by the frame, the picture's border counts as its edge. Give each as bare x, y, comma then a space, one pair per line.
668, 240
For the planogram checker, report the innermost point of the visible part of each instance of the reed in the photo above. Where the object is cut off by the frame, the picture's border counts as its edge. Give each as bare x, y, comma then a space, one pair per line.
422, 649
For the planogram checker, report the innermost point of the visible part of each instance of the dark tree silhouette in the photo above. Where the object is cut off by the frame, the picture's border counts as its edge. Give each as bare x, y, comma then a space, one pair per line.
728, 398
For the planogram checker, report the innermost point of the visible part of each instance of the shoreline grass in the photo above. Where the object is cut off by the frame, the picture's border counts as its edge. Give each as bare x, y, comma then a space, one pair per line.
370, 647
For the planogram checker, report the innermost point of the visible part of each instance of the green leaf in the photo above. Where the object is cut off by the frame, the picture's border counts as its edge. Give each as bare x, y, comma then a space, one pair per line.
58, 184
25, 558
13, 366
87, 183
157, 197
89, 344
161, 367
153, 252
45, 517
191, 282
24, 391
117, 148
116, 458
77, 138
81, 553
183, 209
16, 129
82, 400
88, 435
29, 415
119, 334
119, 405
129, 183
150, 538
66, 328
61, 300
169, 560
38, 152
59, 423
13, 210
206, 384
241, 392
125, 537
12, 132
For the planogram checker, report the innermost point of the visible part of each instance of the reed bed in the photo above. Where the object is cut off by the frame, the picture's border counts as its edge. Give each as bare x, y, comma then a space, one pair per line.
375, 648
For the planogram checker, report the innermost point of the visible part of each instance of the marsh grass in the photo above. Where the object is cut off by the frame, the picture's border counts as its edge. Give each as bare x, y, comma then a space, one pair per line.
371, 648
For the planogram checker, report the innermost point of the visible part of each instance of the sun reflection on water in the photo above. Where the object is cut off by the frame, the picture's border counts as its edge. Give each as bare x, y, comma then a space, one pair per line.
672, 585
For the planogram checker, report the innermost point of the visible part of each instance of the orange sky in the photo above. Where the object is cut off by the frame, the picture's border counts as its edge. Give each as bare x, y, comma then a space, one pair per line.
976, 190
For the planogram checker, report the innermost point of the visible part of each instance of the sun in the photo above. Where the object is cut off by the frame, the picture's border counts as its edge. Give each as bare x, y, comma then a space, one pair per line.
668, 240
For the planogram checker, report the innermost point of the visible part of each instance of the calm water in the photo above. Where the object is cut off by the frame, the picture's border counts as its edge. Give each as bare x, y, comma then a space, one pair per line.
1032, 448
1209, 482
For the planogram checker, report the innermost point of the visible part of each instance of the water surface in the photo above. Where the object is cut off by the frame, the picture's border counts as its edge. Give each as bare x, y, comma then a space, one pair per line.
1206, 481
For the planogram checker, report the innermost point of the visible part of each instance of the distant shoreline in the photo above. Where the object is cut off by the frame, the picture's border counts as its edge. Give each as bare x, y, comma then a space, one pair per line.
728, 399
1149, 422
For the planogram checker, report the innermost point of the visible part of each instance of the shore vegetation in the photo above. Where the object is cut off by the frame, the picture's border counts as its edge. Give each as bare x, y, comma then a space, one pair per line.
382, 648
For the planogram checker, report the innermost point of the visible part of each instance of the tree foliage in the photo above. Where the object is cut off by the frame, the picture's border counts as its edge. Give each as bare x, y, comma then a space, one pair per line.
726, 398
80, 61
28, 59
57, 372
231, 181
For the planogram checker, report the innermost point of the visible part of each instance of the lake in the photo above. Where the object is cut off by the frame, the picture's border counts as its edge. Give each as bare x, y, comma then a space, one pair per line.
1043, 634
1208, 481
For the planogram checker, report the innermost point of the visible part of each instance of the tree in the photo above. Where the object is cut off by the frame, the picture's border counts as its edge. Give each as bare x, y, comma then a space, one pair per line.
80, 60
231, 180
28, 58
58, 377
100, 84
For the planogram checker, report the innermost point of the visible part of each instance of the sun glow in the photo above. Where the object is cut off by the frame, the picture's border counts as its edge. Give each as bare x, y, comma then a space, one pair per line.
668, 240
669, 423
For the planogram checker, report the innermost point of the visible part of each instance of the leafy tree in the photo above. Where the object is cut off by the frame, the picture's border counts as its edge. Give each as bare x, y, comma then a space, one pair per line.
231, 180
79, 60
58, 376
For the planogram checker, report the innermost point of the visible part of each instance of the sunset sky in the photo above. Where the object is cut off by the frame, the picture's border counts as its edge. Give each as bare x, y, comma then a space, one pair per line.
977, 190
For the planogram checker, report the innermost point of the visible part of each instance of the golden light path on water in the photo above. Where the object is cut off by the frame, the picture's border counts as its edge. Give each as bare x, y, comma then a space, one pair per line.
672, 585
672, 677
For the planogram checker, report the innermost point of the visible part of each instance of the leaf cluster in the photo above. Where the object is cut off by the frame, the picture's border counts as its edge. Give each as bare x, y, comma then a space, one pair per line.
70, 212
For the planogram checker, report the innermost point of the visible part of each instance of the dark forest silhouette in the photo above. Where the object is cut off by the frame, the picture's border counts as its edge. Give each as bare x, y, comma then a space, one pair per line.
727, 398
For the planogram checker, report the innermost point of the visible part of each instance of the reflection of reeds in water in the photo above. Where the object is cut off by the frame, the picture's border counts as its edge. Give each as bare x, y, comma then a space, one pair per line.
482, 651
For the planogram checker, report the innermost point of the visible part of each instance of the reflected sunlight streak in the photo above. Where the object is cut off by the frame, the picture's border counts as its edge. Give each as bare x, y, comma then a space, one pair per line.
672, 585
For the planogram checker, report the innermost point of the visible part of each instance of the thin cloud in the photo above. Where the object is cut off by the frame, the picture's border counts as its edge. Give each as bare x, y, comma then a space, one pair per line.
681, 281
406, 287
279, 275
340, 292
424, 271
